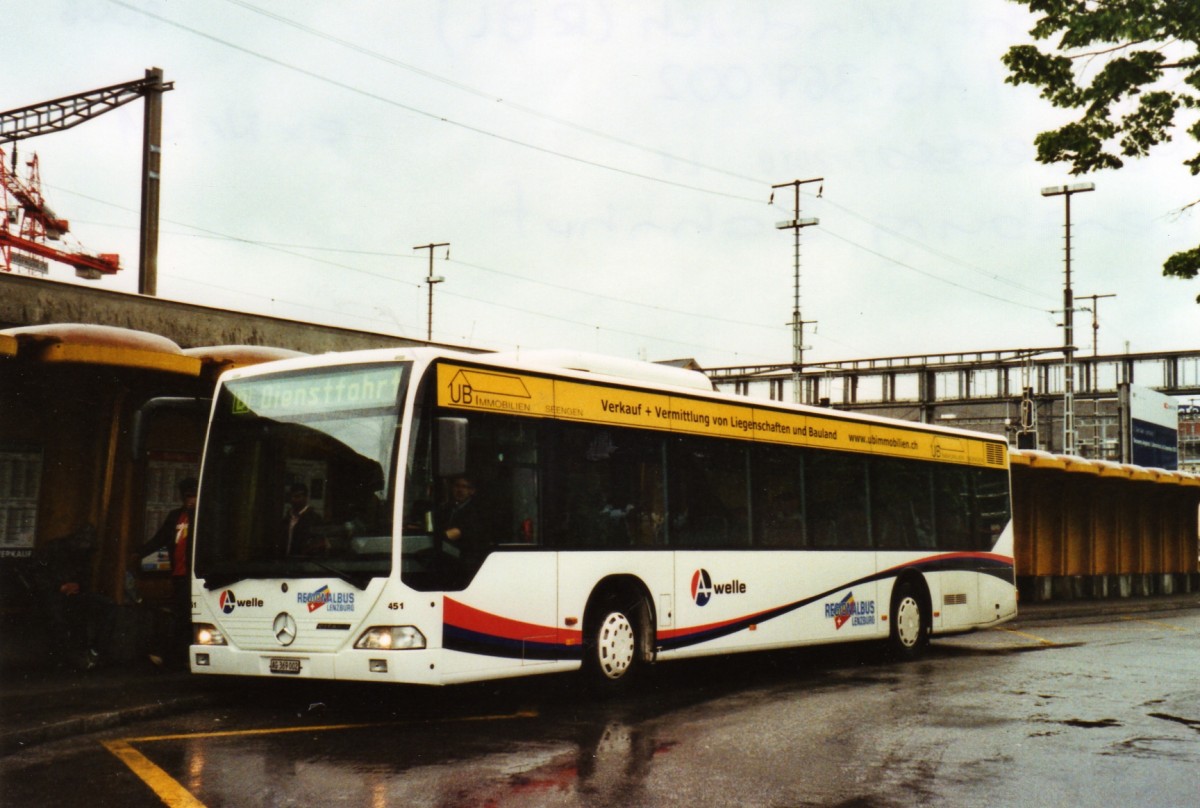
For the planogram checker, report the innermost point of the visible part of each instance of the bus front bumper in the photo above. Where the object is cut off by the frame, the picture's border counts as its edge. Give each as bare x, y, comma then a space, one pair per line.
408, 666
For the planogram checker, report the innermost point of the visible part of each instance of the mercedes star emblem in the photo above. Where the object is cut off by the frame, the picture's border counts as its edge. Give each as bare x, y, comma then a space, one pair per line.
284, 628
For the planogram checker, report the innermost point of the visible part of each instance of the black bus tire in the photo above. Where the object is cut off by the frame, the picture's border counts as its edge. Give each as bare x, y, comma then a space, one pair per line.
613, 645
909, 633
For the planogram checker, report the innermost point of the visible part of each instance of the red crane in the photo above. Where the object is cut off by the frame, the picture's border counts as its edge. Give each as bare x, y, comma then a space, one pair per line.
25, 210
29, 224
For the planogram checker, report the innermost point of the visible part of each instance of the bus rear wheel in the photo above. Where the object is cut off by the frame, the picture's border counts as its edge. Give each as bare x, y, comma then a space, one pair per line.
909, 633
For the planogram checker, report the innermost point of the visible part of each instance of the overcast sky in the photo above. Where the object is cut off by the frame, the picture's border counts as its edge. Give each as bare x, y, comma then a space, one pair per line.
602, 172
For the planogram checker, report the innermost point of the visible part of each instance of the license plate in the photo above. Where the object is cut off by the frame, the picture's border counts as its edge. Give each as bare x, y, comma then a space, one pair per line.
285, 665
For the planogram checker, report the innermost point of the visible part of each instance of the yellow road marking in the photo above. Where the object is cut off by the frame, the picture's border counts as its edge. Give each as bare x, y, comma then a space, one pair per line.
164, 785
1153, 623
1026, 635
247, 733
232, 733
175, 795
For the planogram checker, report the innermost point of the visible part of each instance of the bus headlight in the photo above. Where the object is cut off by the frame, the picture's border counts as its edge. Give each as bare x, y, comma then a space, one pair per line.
391, 638
208, 634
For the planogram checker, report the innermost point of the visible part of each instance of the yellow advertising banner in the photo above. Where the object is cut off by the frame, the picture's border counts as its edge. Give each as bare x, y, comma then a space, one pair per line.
501, 391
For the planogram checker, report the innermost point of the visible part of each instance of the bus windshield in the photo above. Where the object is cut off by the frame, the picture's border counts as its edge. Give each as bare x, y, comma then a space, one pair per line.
298, 476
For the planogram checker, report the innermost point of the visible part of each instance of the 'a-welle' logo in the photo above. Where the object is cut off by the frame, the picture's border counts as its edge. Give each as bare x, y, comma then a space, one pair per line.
703, 589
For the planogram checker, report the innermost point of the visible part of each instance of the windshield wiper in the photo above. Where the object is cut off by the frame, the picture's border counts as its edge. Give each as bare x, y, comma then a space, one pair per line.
220, 581
359, 581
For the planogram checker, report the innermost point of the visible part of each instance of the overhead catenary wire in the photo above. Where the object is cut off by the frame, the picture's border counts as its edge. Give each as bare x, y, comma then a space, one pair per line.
291, 249
427, 114
554, 152
288, 248
908, 266
491, 97
930, 275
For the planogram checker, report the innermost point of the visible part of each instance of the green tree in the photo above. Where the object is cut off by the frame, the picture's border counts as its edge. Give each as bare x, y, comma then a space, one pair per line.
1132, 69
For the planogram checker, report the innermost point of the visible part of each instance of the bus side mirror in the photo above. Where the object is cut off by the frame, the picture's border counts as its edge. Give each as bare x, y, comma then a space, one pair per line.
452, 446
197, 407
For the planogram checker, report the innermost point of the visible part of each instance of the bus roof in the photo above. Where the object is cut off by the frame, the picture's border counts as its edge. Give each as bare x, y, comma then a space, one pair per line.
216, 359
592, 368
102, 345
614, 367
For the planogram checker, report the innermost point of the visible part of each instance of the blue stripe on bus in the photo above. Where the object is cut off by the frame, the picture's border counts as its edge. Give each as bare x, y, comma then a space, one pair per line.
460, 638
457, 638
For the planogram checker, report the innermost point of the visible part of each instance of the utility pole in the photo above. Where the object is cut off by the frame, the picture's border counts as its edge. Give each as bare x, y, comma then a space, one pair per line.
1095, 319
1065, 191
151, 179
64, 113
795, 224
431, 280
1097, 437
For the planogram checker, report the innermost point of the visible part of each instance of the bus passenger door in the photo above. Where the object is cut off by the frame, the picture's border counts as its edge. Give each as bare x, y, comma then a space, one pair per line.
505, 610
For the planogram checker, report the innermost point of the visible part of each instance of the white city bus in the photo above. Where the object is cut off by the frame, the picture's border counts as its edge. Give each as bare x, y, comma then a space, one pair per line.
623, 514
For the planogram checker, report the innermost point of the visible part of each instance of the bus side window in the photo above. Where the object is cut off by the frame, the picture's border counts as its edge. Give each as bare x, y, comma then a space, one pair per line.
611, 491
517, 482
419, 489
709, 493
502, 464
835, 495
953, 508
901, 504
778, 485
576, 495
991, 500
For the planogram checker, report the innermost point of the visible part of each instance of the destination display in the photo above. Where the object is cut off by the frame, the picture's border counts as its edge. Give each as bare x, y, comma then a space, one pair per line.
494, 390
317, 392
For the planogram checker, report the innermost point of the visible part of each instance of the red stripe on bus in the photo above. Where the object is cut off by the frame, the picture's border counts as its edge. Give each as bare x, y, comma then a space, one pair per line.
467, 617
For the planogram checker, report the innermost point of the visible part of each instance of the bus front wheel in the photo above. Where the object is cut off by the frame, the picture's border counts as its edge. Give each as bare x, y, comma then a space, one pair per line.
613, 650
910, 624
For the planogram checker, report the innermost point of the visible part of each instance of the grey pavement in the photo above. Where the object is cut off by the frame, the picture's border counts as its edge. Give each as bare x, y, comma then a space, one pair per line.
41, 705
41, 702
44, 699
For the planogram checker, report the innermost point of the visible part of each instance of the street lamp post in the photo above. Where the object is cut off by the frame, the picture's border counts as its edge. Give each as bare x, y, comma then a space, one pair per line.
1066, 191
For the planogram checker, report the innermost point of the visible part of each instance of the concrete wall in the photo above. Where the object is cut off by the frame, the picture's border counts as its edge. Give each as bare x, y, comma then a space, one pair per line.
33, 301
